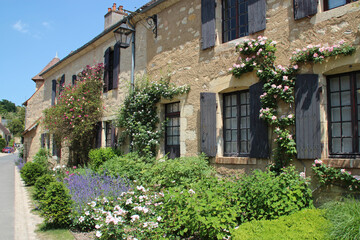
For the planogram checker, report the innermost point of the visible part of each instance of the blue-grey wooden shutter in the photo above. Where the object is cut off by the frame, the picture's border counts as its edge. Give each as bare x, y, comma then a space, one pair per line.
208, 123
116, 66
43, 140
256, 15
62, 83
304, 8
48, 140
259, 141
208, 35
113, 136
73, 80
307, 113
98, 135
106, 70
53, 92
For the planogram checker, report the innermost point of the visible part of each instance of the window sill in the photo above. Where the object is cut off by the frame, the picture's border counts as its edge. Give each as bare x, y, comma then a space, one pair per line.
235, 160
342, 162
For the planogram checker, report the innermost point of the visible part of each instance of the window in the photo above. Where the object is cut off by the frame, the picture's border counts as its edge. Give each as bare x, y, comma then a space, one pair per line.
237, 124
344, 113
242, 18
330, 4
111, 71
62, 84
53, 92
109, 135
172, 133
235, 19
73, 81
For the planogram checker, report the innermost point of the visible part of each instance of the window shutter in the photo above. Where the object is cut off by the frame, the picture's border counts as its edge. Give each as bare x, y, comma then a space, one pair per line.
43, 140
53, 92
304, 8
48, 140
256, 15
208, 123
73, 80
106, 70
98, 135
62, 83
259, 141
208, 23
307, 110
116, 67
113, 136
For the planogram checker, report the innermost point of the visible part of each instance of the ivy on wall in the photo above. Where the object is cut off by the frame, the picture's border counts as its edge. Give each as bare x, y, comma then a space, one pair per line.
279, 83
138, 117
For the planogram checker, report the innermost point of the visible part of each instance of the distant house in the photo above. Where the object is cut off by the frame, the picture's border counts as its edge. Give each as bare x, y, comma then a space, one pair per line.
4, 132
196, 39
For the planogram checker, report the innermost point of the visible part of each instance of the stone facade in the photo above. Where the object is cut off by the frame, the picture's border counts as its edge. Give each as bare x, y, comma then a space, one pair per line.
177, 49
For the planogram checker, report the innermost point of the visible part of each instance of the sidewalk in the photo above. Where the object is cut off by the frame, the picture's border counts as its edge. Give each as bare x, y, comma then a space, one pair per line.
25, 221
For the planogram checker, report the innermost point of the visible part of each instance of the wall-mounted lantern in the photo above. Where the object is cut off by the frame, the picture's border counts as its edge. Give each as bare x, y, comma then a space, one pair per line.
123, 35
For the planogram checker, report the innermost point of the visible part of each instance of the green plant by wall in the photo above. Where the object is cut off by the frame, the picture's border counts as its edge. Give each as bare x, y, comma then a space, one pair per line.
139, 118
279, 82
56, 205
2, 142
100, 155
41, 186
31, 171
77, 111
328, 175
305, 224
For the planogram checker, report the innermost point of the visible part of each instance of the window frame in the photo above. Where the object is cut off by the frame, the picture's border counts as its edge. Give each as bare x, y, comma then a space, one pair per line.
248, 115
355, 119
326, 4
167, 117
237, 24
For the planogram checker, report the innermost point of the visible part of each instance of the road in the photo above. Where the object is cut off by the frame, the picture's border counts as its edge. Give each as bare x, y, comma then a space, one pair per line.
7, 196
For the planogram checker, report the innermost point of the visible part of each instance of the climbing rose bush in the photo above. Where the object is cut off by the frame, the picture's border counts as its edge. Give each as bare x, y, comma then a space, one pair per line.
77, 111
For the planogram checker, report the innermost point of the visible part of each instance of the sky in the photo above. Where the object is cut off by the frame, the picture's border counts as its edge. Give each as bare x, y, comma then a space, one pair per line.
32, 32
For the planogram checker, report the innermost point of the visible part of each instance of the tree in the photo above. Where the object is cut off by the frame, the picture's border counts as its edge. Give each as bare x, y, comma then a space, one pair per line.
6, 106
16, 122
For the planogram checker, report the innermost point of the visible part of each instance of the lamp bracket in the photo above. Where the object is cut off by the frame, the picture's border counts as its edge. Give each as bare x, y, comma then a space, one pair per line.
152, 22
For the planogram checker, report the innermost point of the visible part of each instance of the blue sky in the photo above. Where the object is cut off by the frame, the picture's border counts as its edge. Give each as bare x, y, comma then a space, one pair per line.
32, 32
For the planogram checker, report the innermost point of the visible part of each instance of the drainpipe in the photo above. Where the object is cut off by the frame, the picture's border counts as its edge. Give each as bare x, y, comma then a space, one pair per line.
132, 58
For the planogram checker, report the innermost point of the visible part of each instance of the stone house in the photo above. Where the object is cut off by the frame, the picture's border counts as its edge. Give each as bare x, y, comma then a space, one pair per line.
4, 132
195, 40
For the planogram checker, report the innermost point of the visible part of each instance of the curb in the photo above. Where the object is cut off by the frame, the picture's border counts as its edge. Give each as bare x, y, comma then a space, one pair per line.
25, 221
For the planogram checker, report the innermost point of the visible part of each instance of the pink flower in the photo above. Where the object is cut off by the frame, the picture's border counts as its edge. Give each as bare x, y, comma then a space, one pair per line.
290, 116
286, 88
273, 117
315, 55
295, 67
343, 170
279, 87
273, 85
74, 167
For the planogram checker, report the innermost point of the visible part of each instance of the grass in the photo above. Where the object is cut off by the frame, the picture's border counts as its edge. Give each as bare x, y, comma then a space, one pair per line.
345, 218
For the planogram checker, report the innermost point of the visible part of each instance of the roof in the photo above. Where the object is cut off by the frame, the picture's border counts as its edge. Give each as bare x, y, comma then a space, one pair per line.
4, 129
32, 126
142, 9
49, 65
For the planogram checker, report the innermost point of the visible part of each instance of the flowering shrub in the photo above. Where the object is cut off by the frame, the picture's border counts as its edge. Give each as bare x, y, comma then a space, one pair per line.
329, 175
279, 82
78, 109
88, 186
100, 155
132, 215
138, 116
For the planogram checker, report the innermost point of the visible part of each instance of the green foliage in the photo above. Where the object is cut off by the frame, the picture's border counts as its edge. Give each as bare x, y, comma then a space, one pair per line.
11, 142
99, 156
305, 224
56, 205
77, 111
345, 219
207, 210
265, 195
130, 166
31, 171
139, 118
177, 172
7, 106
41, 185
41, 157
2, 143
16, 121
329, 175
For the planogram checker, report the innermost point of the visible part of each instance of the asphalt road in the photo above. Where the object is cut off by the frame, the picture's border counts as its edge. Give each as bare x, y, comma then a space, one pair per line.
7, 196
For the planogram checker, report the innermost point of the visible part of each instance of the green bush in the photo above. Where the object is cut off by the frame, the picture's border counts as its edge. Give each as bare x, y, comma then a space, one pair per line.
31, 171
56, 205
99, 156
2, 143
11, 142
41, 185
265, 195
207, 210
180, 171
305, 224
130, 166
41, 157
345, 219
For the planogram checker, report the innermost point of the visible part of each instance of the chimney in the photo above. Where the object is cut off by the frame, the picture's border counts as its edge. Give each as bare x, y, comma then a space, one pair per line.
114, 15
